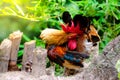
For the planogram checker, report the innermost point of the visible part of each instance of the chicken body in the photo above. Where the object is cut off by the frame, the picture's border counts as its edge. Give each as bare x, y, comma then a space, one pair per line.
58, 51
68, 59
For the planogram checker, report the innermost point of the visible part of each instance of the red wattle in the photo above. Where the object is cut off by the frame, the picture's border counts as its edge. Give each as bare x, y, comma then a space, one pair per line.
72, 44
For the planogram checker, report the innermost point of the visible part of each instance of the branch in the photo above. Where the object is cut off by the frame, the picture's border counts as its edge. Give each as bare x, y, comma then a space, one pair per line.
5, 49
15, 37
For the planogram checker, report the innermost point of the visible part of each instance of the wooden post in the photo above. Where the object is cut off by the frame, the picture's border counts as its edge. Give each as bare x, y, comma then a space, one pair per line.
28, 56
39, 62
5, 49
15, 37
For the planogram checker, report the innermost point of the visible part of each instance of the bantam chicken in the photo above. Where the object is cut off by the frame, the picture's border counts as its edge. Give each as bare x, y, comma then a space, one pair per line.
66, 47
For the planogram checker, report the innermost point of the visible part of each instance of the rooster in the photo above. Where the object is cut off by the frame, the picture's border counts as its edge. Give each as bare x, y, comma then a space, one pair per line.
66, 47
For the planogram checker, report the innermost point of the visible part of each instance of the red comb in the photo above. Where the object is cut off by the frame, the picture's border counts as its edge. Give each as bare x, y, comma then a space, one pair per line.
72, 28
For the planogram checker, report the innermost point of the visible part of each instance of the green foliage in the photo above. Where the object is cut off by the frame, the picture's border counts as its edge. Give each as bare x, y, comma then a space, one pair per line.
32, 16
118, 68
58, 70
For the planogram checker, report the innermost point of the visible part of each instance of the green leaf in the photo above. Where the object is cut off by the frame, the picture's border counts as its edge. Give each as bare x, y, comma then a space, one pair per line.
26, 38
20, 53
119, 75
118, 66
21, 46
19, 9
115, 15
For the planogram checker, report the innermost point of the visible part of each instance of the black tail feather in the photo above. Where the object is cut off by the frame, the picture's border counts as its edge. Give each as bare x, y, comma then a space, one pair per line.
75, 58
66, 17
83, 21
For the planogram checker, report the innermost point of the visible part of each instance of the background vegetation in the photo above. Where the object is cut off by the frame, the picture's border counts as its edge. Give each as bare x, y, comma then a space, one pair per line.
32, 16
